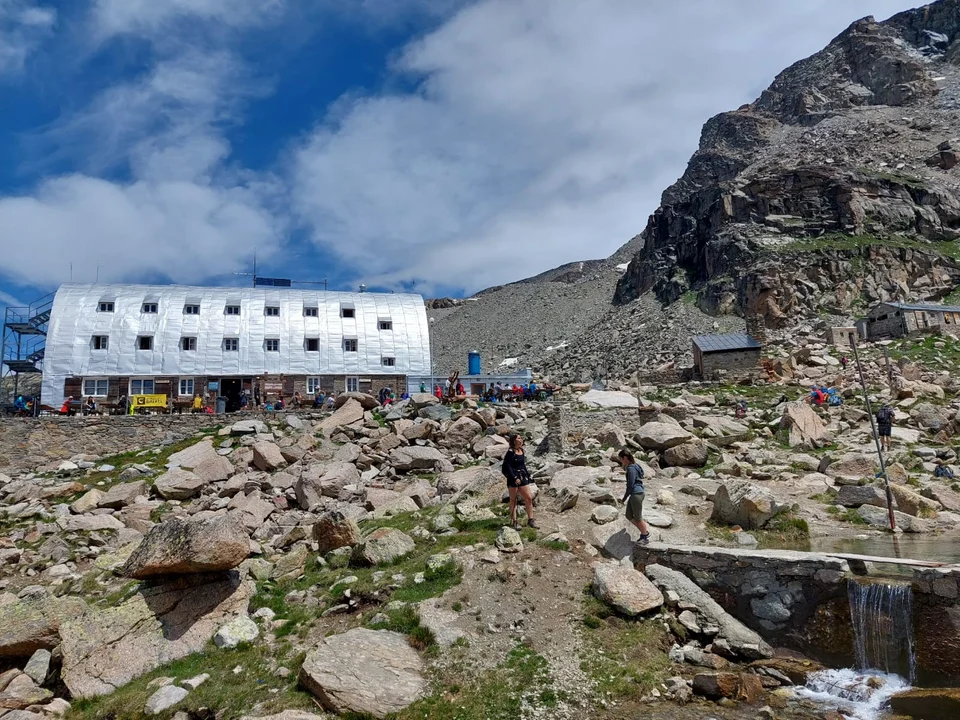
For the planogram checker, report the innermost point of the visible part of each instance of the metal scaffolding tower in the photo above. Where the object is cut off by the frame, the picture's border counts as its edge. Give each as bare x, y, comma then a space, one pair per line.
24, 340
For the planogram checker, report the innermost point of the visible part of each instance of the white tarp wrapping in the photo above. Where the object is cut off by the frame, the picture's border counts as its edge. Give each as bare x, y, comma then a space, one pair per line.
76, 319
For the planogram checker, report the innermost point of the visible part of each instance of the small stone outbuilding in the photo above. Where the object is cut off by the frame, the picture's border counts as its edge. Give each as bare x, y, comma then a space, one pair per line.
733, 353
897, 319
842, 336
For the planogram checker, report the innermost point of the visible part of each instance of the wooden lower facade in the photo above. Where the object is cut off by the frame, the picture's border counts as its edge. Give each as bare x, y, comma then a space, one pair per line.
265, 388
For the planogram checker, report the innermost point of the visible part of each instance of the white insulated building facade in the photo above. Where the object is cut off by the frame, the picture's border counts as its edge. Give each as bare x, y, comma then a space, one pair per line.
108, 340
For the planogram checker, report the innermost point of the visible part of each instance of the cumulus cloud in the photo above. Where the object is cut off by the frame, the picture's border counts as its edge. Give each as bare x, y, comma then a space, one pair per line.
23, 26
539, 132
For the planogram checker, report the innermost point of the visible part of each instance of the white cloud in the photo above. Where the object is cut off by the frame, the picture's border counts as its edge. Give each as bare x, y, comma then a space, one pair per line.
151, 17
23, 26
541, 132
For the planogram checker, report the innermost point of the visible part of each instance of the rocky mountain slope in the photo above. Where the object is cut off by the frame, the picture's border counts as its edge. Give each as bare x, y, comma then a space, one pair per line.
835, 189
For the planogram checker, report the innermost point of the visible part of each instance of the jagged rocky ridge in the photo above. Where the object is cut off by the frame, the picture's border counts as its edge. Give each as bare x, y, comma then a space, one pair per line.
836, 188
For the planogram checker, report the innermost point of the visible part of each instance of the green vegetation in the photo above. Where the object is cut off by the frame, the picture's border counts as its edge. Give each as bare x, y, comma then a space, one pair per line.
520, 681
625, 658
932, 351
839, 241
847, 515
894, 176
231, 691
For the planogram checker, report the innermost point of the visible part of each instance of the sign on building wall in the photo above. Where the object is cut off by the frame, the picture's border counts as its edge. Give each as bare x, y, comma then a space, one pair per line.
147, 401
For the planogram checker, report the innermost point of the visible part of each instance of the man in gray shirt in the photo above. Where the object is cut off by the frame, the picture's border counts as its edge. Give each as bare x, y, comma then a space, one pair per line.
633, 498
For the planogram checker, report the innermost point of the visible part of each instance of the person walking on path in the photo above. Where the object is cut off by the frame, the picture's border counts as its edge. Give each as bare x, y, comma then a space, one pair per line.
633, 498
885, 426
518, 481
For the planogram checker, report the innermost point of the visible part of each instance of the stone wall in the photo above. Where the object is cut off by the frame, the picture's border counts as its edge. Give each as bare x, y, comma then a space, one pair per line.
734, 361
34, 444
800, 600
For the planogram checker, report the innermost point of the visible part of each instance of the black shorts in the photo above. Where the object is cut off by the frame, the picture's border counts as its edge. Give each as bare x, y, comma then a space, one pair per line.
519, 482
885, 430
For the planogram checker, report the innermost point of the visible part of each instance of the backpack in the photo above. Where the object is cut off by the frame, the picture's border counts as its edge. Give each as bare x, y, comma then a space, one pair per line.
885, 416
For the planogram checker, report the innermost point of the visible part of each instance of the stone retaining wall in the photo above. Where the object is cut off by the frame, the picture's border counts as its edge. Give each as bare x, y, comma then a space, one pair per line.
35, 444
800, 600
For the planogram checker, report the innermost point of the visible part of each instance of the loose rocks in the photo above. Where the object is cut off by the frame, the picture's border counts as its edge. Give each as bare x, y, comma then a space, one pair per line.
625, 590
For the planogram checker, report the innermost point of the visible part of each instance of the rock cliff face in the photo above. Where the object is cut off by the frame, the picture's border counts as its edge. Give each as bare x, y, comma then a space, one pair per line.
835, 189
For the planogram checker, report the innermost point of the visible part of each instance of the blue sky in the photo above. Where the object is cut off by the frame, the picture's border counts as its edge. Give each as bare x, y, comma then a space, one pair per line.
435, 145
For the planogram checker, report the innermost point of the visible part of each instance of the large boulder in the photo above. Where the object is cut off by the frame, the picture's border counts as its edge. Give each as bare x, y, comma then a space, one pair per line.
615, 539
33, 623
661, 435
334, 530
416, 457
625, 590
367, 402
851, 467
364, 672
203, 460
738, 502
913, 503
436, 413
878, 517
803, 427
579, 476
383, 546
178, 546
927, 703
122, 494
609, 399
349, 413
267, 456
930, 417
105, 648
718, 426
422, 400
853, 496
461, 434
743, 641
324, 481
692, 453
178, 484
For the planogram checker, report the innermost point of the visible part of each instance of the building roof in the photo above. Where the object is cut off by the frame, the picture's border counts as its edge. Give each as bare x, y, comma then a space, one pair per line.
923, 307
725, 343
295, 316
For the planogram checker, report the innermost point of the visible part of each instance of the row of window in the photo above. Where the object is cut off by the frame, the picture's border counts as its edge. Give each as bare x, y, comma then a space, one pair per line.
151, 308
99, 387
189, 344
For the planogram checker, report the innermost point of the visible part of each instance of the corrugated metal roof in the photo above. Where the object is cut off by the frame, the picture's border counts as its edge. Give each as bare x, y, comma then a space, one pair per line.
723, 343
924, 307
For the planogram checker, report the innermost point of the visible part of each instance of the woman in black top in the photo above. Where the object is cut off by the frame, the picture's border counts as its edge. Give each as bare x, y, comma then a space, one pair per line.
518, 481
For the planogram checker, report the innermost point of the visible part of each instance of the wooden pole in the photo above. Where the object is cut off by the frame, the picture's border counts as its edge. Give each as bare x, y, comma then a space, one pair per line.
876, 439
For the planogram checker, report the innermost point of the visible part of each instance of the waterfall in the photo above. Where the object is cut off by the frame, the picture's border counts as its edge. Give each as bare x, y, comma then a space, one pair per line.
882, 615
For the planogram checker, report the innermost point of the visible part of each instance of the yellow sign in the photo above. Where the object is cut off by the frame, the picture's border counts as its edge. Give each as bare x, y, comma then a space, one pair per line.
147, 401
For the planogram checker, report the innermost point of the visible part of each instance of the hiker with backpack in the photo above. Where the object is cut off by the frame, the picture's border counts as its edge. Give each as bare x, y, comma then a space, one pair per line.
885, 426
633, 498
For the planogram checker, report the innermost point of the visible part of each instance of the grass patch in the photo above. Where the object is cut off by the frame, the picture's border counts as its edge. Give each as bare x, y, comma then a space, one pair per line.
625, 658
839, 241
521, 681
406, 621
233, 694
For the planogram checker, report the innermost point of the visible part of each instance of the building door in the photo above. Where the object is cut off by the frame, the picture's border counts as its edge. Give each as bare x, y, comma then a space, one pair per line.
230, 389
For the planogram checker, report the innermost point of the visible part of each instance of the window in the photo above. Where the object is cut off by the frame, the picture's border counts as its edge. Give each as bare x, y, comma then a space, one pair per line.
313, 385
386, 324
145, 342
231, 310
313, 345
347, 312
271, 311
186, 386
191, 309
141, 387
97, 387
231, 344
101, 342
105, 306
311, 311
271, 345
353, 384
350, 345
388, 361
188, 343
149, 308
